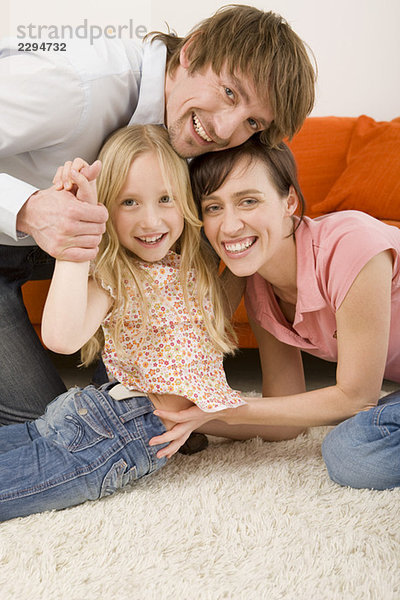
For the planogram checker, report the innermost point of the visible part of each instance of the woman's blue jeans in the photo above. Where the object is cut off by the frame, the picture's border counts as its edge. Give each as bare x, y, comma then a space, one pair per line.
85, 446
364, 451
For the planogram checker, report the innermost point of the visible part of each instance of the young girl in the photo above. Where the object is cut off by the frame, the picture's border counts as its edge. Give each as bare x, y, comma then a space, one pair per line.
154, 292
328, 286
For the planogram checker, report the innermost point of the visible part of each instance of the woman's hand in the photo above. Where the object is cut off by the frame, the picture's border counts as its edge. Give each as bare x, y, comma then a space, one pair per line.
185, 421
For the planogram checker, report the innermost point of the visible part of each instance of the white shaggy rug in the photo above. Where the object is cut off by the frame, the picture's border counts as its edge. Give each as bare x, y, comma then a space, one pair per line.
239, 521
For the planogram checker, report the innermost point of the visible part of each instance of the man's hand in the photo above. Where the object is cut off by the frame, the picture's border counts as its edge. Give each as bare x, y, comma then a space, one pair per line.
61, 224
186, 421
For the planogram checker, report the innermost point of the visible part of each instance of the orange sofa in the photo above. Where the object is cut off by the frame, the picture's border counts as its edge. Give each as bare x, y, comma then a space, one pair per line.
343, 163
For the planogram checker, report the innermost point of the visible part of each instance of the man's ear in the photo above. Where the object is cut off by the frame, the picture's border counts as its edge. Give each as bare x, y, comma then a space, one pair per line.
184, 59
292, 202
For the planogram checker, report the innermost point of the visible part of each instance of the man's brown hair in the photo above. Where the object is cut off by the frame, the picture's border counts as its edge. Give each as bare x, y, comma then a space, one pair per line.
259, 45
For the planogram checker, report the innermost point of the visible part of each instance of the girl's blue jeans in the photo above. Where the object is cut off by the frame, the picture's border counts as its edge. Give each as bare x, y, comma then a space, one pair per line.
364, 451
86, 446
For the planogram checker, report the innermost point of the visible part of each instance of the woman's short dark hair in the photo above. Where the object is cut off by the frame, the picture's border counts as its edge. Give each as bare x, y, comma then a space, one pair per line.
209, 171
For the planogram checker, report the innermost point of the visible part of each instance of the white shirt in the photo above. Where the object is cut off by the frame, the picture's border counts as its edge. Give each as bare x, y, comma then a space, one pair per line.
55, 106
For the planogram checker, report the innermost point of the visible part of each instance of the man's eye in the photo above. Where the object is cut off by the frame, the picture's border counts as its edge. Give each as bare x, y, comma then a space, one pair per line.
229, 92
253, 124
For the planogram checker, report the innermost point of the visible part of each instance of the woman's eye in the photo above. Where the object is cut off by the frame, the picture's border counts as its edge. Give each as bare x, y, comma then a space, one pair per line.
249, 202
129, 202
211, 208
229, 92
165, 199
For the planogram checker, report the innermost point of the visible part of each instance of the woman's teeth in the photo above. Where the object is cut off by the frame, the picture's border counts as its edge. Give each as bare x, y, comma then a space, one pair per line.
239, 246
199, 129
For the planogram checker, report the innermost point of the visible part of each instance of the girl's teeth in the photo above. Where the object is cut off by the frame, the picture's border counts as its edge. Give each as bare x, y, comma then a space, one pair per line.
199, 129
151, 240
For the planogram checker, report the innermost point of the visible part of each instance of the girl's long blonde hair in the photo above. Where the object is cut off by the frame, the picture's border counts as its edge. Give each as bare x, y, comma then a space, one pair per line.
114, 263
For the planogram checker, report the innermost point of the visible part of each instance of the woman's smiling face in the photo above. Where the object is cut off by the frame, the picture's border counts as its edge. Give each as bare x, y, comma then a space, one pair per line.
246, 220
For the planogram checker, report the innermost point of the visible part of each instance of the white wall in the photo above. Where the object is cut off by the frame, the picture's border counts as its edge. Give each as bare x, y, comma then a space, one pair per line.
356, 42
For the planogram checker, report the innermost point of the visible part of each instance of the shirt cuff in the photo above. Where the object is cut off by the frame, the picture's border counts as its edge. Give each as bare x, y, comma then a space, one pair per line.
13, 195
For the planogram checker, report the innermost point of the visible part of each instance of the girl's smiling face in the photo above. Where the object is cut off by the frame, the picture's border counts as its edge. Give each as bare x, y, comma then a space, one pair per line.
147, 220
247, 221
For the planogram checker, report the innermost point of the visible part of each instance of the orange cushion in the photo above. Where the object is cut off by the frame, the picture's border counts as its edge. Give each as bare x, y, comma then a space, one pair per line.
371, 180
34, 294
320, 149
391, 222
246, 338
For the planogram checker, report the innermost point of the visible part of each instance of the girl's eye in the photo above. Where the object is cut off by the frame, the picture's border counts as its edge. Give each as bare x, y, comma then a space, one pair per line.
165, 199
253, 124
229, 92
129, 202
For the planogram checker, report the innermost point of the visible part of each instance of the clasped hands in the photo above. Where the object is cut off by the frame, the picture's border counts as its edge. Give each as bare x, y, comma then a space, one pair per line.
65, 220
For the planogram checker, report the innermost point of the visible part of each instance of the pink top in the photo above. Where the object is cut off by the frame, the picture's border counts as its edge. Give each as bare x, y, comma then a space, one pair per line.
331, 251
174, 354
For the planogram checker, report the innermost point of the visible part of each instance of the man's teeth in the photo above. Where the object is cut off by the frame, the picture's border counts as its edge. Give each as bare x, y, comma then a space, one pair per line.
151, 240
199, 129
239, 246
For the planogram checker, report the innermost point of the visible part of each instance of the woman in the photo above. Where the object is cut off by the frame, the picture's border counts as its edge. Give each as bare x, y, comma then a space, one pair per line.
328, 286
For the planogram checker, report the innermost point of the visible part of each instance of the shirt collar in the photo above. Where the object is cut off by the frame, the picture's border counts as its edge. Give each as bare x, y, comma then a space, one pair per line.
309, 296
150, 106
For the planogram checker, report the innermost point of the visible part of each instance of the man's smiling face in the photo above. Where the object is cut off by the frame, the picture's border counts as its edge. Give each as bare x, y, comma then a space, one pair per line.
206, 111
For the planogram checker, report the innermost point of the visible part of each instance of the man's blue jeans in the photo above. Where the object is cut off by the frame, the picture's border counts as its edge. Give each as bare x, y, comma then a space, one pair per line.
86, 446
28, 379
364, 451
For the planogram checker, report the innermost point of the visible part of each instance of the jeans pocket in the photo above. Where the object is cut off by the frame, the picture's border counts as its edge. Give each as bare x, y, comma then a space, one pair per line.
91, 426
117, 477
74, 421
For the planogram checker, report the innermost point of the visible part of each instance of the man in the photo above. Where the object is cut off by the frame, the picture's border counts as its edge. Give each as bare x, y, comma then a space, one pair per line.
238, 72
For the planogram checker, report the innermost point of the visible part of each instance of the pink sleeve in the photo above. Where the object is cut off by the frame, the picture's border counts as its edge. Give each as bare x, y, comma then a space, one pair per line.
348, 250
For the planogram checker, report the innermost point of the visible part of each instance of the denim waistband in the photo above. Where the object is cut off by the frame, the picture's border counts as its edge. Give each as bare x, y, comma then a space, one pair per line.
91, 401
124, 410
121, 412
